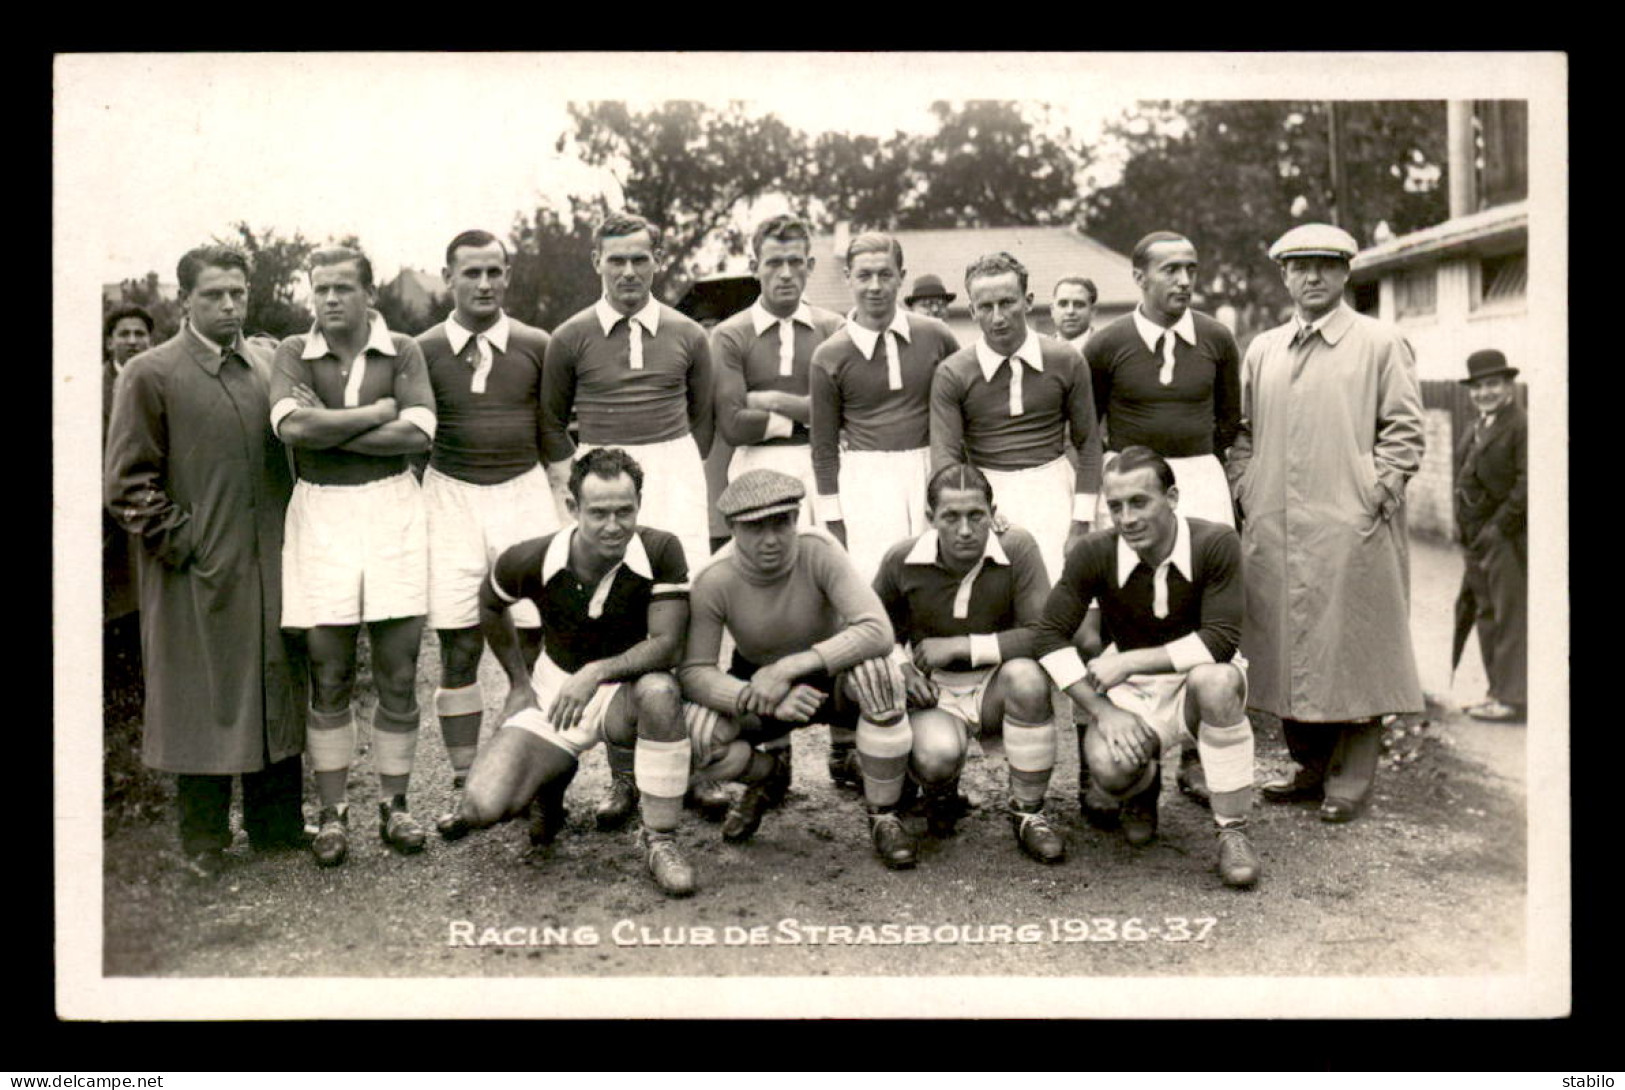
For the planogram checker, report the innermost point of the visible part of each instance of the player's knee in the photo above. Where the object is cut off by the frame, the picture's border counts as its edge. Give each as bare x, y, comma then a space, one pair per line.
1026, 690
396, 679
1219, 691
460, 651
938, 749
480, 806
659, 707
334, 684
1108, 772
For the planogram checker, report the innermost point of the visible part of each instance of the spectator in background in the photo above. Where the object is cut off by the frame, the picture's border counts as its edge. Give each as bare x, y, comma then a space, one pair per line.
126, 332
1073, 310
1492, 499
929, 296
195, 473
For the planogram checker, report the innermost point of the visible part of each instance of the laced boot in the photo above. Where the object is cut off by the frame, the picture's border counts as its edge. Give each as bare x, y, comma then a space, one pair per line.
1034, 833
398, 828
667, 866
331, 843
1239, 865
893, 843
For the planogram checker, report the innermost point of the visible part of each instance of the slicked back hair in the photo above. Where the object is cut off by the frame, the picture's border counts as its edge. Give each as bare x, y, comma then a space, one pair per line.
213, 256
1141, 257
957, 476
1138, 457
783, 228
996, 264
875, 242
128, 310
477, 239
338, 255
621, 224
608, 463
1083, 282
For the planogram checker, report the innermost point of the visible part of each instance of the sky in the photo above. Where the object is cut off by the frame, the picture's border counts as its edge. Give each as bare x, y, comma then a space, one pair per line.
156, 152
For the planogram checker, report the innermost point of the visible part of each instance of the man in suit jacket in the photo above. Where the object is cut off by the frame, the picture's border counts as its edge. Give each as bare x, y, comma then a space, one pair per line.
1492, 487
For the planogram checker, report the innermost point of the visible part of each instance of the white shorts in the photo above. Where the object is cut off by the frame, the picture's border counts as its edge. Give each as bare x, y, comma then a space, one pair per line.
1204, 492
674, 495
1039, 500
960, 693
882, 502
548, 678
469, 527
1159, 699
794, 461
355, 553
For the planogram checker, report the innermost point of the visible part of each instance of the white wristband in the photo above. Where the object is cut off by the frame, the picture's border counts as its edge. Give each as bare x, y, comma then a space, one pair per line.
1083, 507
779, 426
828, 508
984, 650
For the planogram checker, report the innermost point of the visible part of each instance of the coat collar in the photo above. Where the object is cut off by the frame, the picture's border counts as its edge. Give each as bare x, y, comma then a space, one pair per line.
378, 339
762, 319
208, 354
648, 317
558, 556
1331, 326
925, 550
1030, 353
1179, 556
868, 339
458, 334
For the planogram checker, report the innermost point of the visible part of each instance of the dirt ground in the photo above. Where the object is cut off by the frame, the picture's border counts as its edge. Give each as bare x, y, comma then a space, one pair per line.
1430, 883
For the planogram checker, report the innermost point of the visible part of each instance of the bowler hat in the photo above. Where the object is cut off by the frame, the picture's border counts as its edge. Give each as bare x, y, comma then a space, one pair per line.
760, 494
1485, 363
1315, 240
929, 286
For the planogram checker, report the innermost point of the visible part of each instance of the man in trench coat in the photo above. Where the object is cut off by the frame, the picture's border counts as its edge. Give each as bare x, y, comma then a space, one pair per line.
1331, 431
193, 471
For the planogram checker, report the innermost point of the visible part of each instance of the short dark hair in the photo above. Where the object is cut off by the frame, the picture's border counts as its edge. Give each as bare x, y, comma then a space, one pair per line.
608, 463
128, 310
216, 255
874, 242
338, 255
621, 224
1141, 256
475, 238
783, 228
996, 264
1138, 457
957, 476
1081, 281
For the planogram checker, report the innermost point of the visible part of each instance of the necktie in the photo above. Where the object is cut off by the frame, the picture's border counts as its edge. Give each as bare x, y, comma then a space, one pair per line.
634, 336
482, 362
1166, 344
787, 346
894, 370
1015, 386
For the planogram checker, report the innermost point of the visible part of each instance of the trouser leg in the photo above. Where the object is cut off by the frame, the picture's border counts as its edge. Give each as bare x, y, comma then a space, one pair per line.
203, 805
271, 812
1310, 745
1352, 768
1507, 585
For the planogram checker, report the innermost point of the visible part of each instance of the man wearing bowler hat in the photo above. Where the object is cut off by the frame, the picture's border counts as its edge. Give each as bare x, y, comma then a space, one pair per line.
1492, 498
929, 296
1331, 431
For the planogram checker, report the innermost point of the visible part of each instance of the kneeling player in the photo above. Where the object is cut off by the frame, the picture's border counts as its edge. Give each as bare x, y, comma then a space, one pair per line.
613, 602
1170, 597
964, 598
812, 644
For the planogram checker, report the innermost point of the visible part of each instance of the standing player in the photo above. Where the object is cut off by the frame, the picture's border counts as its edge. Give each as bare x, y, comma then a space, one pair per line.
963, 598
1170, 595
612, 596
811, 645
1073, 309
637, 374
353, 400
871, 420
485, 488
762, 356
1006, 405
1168, 377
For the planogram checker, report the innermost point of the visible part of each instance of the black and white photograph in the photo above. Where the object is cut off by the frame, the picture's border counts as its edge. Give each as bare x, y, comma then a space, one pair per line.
864, 535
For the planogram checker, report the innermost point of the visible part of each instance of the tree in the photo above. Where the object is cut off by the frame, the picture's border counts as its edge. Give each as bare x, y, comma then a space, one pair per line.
686, 166
863, 180
276, 265
166, 313
550, 269
1235, 175
989, 165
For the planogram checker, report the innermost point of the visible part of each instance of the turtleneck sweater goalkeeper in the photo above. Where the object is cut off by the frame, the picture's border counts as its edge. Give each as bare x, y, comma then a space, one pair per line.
818, 602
